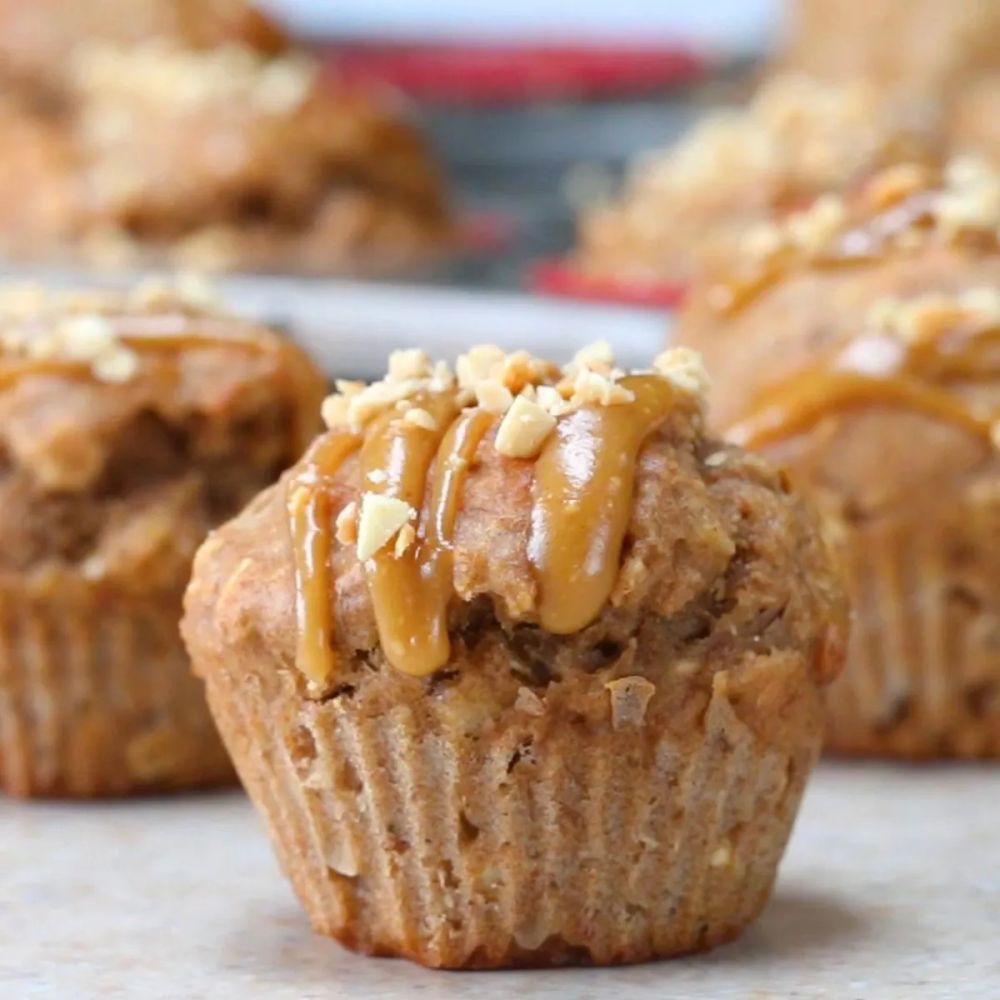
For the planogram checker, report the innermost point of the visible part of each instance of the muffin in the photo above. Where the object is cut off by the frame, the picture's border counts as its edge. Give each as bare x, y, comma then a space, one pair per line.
975, 123
227, 159
520, 666
129, 426
687, 209
38, 39
863, 353
921, 51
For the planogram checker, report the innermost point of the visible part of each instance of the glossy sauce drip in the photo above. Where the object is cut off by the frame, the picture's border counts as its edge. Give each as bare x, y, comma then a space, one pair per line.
861, 244
170, 333
878, 370
584, 481
425, 468
308, 502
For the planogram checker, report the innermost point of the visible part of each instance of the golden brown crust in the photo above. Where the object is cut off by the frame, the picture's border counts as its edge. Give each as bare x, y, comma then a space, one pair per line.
129, 426
910, 496
620, 792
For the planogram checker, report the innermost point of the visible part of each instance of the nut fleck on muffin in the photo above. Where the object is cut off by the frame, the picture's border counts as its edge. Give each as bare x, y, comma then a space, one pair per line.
864, 353
39, 39
129, 426
521, 666
692, 207
220, 160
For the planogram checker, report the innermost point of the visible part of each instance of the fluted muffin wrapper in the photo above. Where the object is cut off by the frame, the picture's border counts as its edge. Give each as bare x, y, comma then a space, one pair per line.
96, 694
603, 847
923, 668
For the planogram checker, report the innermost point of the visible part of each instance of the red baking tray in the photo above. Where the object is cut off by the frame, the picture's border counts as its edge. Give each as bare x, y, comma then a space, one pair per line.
563, 279
510, 74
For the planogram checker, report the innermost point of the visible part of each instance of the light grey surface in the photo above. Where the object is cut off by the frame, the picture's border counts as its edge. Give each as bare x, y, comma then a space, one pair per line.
891, 889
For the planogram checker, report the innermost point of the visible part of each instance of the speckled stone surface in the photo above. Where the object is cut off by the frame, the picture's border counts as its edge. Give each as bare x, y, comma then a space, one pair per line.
891, 888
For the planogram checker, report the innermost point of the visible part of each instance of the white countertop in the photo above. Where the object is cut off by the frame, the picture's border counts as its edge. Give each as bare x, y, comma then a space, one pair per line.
891, 888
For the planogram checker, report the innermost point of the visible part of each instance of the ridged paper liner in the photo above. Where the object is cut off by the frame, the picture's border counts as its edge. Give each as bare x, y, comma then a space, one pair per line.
599, 847
923, 671
97, 696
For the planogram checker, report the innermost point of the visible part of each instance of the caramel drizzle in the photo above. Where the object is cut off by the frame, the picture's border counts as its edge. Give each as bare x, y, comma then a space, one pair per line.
310, 515
909, 374
584, 483
167, 334
858, 245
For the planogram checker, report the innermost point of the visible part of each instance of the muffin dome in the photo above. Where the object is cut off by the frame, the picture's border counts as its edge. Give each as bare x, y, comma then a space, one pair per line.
861, 349
506, 621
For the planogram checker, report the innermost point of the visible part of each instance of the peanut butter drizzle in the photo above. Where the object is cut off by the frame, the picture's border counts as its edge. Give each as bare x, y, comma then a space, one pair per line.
860, 244
584, 481
308, 502
411, 592
909, 374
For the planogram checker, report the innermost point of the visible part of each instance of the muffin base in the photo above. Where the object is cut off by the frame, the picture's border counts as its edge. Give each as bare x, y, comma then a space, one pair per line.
923, 670
535, 846
97, 697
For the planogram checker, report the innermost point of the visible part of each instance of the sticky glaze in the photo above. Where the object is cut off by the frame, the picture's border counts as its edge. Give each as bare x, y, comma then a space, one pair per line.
584, 483
879, 371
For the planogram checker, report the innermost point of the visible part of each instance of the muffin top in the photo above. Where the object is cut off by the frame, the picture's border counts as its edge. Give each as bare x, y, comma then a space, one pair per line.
796, 139
114, 403
862, 324
219, 158
39, 39
515, 523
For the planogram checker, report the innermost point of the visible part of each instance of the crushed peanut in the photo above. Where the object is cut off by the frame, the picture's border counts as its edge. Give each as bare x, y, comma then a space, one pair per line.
523, 430
419, 417
404, 539
346, 524
927, 317
722, 856
684, 369
381, 517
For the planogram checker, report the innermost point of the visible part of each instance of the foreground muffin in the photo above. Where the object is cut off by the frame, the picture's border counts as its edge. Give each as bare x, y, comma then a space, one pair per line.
863, 351
38, 40
923, 52
129, 426
520, 666
688, 208
224, 159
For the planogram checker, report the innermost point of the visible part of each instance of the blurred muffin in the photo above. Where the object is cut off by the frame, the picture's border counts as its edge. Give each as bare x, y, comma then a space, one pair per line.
975, 123
227, 159
39, 39
521, 667
686, 209
129, 426
920, 51
862, 351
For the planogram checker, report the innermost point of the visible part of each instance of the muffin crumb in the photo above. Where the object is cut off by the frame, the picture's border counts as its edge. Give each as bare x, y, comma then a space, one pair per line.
629, 698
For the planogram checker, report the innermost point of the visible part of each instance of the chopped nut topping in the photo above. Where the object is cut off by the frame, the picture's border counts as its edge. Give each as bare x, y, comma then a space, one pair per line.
629, 698
347, 524
927, 317
716, 459
410, 364
381, 517
492, 395
523, 431
420, 418
971, 197
482, 362
185, 80
378, 476
404, 539
685, 369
